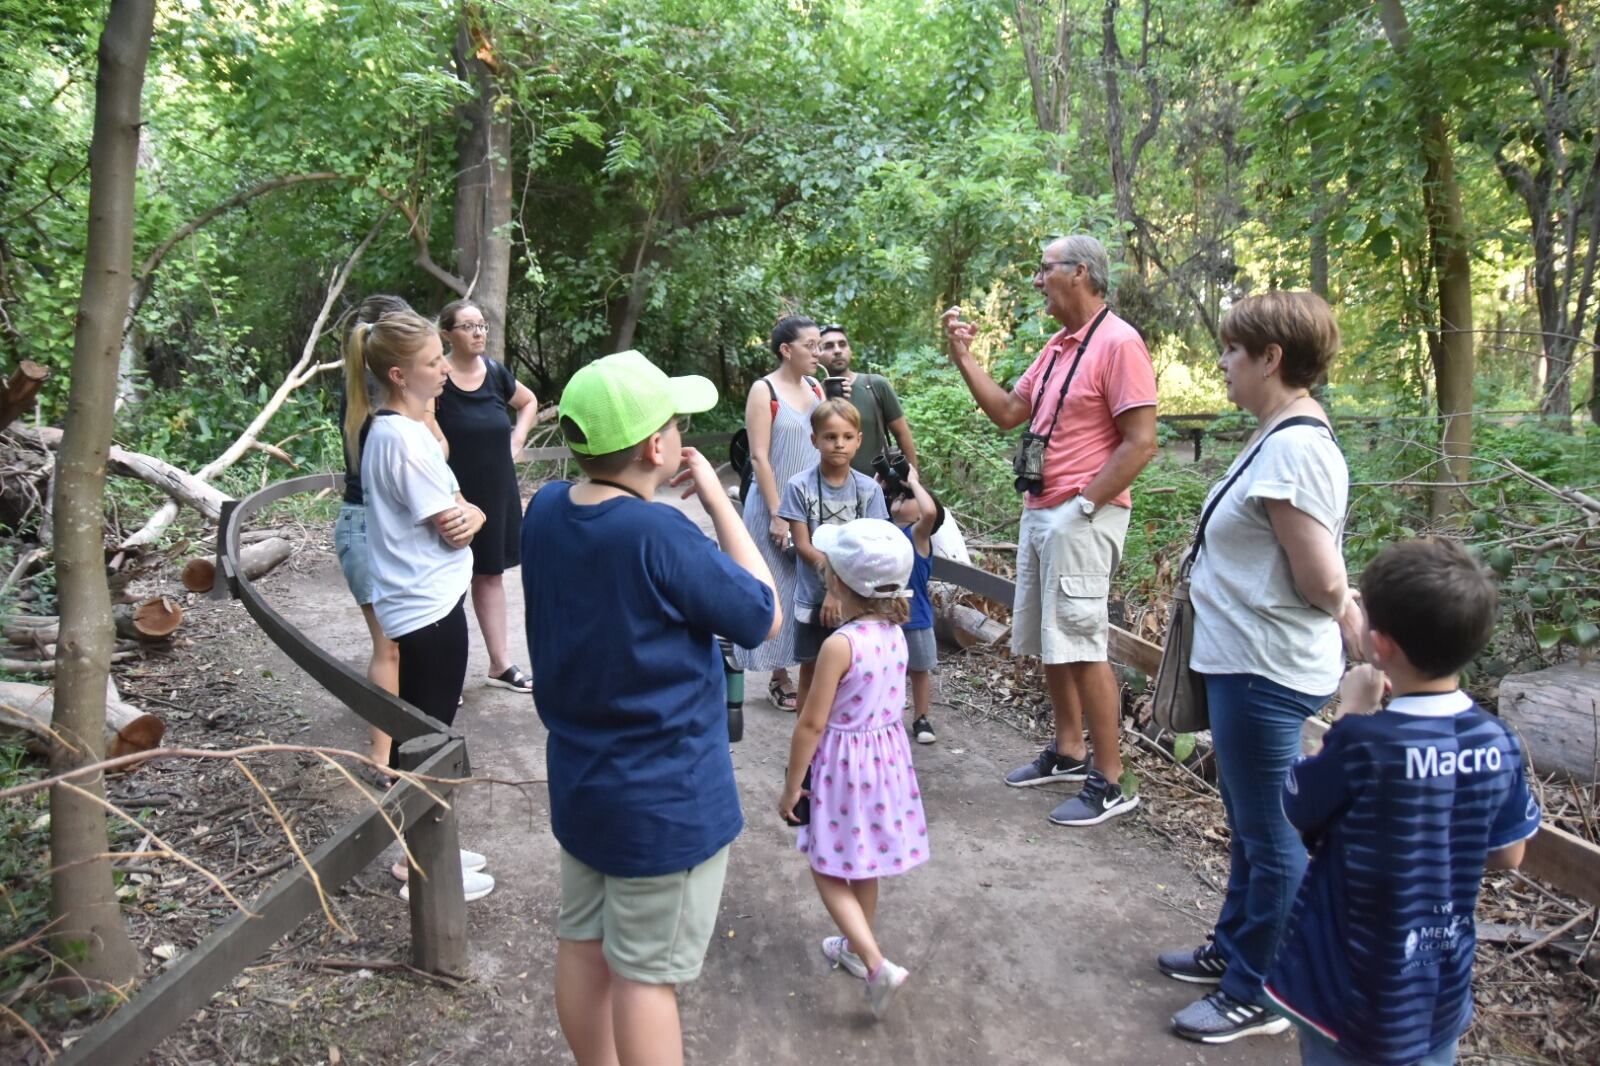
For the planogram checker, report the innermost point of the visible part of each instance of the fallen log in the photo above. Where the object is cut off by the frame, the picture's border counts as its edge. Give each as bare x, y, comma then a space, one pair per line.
30, 630
47, 667
30, 710
967, 627
200, 574
20, 390
1555, 713
181, 485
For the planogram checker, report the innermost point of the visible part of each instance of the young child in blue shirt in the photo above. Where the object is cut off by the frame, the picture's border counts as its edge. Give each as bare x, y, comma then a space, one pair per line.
625, 598
1403, 810
919, 516
830, 493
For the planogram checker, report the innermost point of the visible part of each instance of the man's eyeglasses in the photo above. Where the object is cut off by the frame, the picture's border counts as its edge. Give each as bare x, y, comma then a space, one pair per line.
475, 327
1044, 267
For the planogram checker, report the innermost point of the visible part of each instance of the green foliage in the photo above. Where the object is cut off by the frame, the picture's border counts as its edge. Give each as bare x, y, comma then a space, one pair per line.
1549, 592
24, 886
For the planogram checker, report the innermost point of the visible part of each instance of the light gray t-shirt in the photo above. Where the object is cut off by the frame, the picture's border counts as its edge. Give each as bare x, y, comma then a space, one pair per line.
810, 499
417, 577
1249, 618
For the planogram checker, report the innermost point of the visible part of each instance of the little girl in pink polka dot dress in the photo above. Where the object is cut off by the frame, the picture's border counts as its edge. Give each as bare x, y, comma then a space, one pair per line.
866, 809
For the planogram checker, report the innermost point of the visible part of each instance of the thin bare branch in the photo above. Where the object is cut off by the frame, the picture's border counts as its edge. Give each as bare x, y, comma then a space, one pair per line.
294, 845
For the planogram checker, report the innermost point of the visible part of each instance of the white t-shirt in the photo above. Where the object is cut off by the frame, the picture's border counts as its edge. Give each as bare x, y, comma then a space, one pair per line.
1248, 616
417, 578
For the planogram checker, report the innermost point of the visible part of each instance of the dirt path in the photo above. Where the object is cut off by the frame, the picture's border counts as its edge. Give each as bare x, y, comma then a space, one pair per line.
1026, 942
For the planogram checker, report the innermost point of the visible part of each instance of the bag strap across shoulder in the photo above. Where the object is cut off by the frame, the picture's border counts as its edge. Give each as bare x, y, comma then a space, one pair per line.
1205, 516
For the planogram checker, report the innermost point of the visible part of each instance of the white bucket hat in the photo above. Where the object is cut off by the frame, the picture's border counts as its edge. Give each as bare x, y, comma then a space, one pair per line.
870, 555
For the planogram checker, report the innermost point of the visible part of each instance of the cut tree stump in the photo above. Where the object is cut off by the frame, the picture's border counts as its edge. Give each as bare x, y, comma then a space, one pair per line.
199, 575
30, 710
19, 391
154, 619
1557, 714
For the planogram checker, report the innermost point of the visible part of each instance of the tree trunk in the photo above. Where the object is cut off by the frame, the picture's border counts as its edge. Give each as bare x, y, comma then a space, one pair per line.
1047, 54
1454, 363
483, 192
624, 314
83, 900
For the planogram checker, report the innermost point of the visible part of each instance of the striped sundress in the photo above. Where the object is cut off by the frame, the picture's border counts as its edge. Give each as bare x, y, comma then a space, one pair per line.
792, 452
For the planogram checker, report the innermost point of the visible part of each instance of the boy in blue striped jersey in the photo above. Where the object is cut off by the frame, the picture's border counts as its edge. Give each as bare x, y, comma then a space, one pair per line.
1403, 811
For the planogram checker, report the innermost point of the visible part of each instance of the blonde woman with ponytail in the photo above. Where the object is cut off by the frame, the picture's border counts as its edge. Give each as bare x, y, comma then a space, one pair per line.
350, 529
418, 525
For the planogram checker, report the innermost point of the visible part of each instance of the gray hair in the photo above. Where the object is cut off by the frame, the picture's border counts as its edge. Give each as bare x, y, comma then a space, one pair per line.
1082, 249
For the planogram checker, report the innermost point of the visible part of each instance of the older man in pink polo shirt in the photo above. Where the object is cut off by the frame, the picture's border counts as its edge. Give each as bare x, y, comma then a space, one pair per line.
1089, 402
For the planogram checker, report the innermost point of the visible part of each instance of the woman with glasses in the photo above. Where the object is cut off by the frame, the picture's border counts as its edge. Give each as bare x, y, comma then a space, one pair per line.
777, 415
472, 412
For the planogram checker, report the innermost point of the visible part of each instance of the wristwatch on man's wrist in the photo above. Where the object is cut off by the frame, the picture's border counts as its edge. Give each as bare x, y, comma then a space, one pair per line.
1085, 505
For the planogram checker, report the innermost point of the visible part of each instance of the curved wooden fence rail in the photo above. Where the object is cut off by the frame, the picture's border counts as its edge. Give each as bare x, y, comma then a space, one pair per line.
426, 746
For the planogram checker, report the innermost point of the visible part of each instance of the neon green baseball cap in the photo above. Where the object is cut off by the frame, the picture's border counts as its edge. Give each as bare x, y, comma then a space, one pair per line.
620, 400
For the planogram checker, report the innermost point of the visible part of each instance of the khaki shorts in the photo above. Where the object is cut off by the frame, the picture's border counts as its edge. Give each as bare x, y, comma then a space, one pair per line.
1064, 567
654, 930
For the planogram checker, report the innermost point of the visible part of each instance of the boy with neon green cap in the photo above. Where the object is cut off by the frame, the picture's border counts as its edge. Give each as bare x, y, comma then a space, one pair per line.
624, 599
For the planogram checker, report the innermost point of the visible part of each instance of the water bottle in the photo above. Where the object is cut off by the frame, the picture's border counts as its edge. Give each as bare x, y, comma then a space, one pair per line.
734, 676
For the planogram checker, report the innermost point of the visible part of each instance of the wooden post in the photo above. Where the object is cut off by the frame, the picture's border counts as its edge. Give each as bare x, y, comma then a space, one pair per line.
438, 901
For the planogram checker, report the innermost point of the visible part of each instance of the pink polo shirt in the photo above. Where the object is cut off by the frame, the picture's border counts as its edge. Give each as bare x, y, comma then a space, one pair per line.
1116, 375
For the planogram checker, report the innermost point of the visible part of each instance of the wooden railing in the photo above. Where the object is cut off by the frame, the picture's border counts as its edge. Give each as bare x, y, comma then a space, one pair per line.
426, 746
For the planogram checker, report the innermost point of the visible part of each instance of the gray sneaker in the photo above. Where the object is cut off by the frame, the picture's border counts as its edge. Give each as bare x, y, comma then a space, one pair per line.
836, 949
1203, 965
1097, 801
882, 986
1220, 1019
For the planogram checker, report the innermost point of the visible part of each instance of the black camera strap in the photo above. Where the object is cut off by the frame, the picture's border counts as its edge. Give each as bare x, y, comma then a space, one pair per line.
1061, 398
1205, 516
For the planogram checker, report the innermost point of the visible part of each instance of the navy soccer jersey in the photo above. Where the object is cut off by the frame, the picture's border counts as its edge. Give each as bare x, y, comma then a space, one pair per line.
1400, 810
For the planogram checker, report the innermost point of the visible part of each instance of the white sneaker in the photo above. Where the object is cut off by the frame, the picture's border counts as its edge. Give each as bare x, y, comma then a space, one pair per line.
471, 862
882, 987
476, 885
836, 949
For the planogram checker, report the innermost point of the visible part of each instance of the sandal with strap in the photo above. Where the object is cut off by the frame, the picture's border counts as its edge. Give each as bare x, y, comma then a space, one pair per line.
781, 698
512, 678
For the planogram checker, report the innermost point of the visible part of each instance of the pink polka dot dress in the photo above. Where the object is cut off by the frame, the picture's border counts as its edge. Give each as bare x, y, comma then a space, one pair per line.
866, 809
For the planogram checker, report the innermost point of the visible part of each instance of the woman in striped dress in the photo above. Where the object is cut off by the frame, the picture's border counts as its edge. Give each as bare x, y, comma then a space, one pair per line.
780, 447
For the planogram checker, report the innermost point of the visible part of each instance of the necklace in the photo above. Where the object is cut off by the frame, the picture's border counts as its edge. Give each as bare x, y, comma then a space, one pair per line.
1267, 420
615, 485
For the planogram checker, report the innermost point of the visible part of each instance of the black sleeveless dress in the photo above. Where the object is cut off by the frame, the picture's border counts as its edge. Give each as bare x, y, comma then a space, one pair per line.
478, 426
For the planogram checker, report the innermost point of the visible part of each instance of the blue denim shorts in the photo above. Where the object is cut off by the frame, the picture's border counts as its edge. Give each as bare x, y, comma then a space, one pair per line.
350, 545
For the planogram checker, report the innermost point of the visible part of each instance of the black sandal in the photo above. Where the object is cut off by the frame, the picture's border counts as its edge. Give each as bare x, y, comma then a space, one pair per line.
782, 698
512, 678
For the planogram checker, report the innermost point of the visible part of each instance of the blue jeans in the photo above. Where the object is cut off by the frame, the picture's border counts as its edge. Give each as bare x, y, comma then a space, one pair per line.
1314, 1052
1255, 728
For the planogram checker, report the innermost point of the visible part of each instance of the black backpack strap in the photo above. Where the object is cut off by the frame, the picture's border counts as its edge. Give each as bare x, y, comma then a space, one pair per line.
1205, 516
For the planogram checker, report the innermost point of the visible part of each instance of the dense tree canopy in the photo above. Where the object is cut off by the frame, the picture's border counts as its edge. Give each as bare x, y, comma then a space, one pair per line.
677, 172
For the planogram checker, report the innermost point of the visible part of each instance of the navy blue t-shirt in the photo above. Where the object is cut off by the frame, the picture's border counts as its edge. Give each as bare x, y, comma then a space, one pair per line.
624, 599
921, 571
1400, 809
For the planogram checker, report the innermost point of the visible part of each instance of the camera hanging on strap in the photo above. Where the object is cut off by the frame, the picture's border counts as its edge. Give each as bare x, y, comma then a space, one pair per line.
1027, 462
